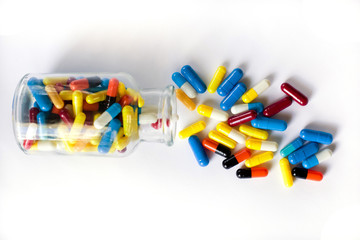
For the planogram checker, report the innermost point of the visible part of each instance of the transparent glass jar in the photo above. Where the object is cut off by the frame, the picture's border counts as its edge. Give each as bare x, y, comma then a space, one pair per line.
101, 114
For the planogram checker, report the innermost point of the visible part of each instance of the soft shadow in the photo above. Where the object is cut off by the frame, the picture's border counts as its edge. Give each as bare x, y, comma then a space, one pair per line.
243, 66
284, 116
321, 168
212, 103
323, 126
298, 83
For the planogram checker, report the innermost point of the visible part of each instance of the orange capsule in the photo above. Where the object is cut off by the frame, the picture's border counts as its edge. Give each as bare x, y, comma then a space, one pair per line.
307, 174
185, 100
125, 100
216, 147
252, 172
55, 110
90, 107
237, 158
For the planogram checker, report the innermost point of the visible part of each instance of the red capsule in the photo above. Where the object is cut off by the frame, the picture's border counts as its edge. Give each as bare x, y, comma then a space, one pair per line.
55, 110
294, 93
125, 100
90, 107
33, 112
277, 107
113, 87
66, 117
242, 118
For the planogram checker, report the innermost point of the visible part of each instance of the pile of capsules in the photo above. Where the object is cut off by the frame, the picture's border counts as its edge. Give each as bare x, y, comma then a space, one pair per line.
222, 140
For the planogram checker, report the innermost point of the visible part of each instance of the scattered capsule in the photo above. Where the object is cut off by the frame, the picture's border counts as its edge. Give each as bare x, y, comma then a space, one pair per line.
128, 119
188, 103
220, 138
234, 95
291, 147
85, 83
194, 79
269, 123
286, 172
147, 118
66, 95
254, 92
217, 78
198, 151
257, 144
237, 158
216, 147
77, 102
242, 118
54, 96
316, 136
184, 85
316, 159
229, 82
66, 117
213, 113
37, 89
252, 172
231, 133
76, 128
304, 152
109, 136
307, 174
111, 93
96, 97
192, 129
107, 116
240, 108
55, 80
294, 93
258, 159
277, 107
254, 132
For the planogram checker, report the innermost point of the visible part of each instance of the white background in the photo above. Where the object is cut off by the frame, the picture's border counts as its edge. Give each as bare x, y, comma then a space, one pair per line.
313, 44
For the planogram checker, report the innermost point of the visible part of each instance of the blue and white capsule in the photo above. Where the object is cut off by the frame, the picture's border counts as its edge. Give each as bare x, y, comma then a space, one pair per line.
194, 79
239, 108
107, 116
316, 159
37, 89
316, 136
291, 147
184, 85
269, 123
304, 152
234, 95
109, 136
198, 151
229, 82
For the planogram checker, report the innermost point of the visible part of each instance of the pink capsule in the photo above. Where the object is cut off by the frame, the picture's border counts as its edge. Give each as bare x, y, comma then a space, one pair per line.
277, 107
242, 118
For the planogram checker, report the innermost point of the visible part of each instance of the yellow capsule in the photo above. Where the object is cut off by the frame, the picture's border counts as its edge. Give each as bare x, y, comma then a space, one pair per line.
141, 101
55, 80
217, 79
121, 89
95, 140
122, 143
254, 132
214, 113
66, 95
257, 144
76, 128
70, 109
132, 93
192, 129
77, 102
90, 148
286, 172
231, 133
220, 138
84, 139
188, 103
96, 97
119, 135
63, 132
255, 91
135, 122
258, 159
54, 96
128, 119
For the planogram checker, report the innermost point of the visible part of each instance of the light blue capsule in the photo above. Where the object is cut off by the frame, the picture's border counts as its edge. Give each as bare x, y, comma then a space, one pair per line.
304, 152
109, 136
114, 110
316, 136
233, 96
178, 79
291, 147
105, 82
269, 123
37, 89
194, 79
198, 151
229, 82
258, 107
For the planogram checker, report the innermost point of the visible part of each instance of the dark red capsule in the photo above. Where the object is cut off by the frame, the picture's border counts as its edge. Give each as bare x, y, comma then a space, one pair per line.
242, 118
89, 118
294, 93
277, 107
55, 110
33, 112
66, 117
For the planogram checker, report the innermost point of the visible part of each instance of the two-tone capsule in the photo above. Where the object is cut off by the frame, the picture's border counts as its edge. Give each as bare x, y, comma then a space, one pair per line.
221, 138
316, 159
294, 93
304, 152
316, 136
84, 83
188, 103
229, 82
234, 95
291, 147
253, 132
107, 116
193, 78
54, 96
217, 78
231, 133
237, 158
213, 113
252, 172
216, 147
111, 93
277, 107
257, 144
258, 159
307, 174
184, 85
192, 129
198, 151
243, 107
242, 118
286, 172
255, 91
269, 123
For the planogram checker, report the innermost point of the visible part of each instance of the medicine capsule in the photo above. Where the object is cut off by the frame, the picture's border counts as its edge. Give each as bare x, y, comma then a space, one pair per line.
85, 83
128, 119
63, 133
109, 136
258, 159
316, 159
234, 95
33, 112
105, 82
184, 85
192, 129
286, 172
237, 158
229, 82
111, 93
216, 80
77, 102
107, 116
307, 174
304, 152
231, 133
147, 118
242, 118
277, 107
294, 93
54, 96
66, 117
257, 144
216, 147
254, 92
291, 147
269, 123
37, 89
96, 97
198, 151
194, 79
316, 136
43, 146
188, 103
213, 113
252, 172
239, 108
76, 128
70, 109
125, 100
55, 80
253, 132
30, 137
66, 95
220, 138
59, 87
91, 107
121, 88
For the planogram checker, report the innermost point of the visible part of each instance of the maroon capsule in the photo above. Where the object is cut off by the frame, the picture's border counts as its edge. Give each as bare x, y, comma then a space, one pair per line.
242, 118
33, 112
89, 118
277, 107
66, 117
59, 87
294, 93
70, 79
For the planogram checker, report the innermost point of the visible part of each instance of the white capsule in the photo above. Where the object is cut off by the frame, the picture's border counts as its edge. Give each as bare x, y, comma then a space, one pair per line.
147, 118
237, 136
269, 146
323, 155
239, 108
31, 131
46, 146
189, 90
102, 120
261, 86
219, 115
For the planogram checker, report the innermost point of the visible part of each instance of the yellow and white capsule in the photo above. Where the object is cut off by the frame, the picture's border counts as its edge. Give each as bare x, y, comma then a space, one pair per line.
128, 119
66, 95
254, 132
192, 129
221, 138
76, 128
54, 96
258, 159
217, 79
257, 144
255, 91
286, 172
55, 80
96, 97
147, 118
77, 102
231, 133
213, 113
43, 146
63, 132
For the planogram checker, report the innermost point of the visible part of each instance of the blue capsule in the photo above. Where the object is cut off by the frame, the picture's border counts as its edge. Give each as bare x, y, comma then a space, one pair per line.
109, 136
105, 82
291, 147
178, 79
317, 158
233, 96
114, 110
192, 77
229, 82
198, 151
304, 152
258, 107
45, 120
316, 136
269, 123
37, 89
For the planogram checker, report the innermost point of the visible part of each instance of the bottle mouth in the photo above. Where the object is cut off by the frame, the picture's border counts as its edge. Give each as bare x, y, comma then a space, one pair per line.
170, 115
